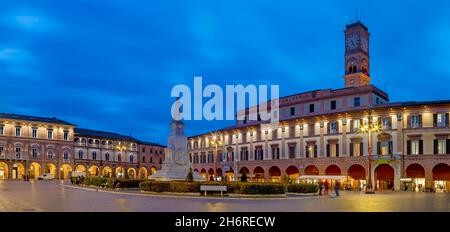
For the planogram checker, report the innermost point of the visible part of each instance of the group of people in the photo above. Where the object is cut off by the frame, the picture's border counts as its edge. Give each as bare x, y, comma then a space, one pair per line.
324, 188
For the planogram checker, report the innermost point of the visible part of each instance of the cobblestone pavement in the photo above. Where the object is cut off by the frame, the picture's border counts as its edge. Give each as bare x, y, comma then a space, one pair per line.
53, 196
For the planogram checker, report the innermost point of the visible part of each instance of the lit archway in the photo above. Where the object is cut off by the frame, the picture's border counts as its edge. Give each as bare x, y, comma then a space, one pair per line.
258, 174
333, 170
94, 170
120, 172
66, 169
210, 174
293, 173
34, 170
203, 172
80, 168
3, 170
357, 173
244, 170
229, 175
50, 169
415, 171
311, 170
143, 174
384, 177
18, 171
107, 171
131, 173
275, 174
152, 170
441, 177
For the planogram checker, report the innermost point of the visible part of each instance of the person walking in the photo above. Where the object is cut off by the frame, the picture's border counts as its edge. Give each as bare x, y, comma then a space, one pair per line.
327, 186
337, 185
320, 188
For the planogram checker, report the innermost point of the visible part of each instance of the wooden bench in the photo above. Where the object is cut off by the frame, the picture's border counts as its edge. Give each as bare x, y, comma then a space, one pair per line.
213, 188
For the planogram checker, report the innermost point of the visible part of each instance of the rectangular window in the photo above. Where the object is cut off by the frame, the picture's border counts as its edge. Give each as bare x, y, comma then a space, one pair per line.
18, 153
357, 101
34, 132
386, 123
259, 153
357, 149
292, 152
333, 105
276, 153
356, 125
333, 127
441, 120
50, 134
293, 111
18, 131
415, 147
311, 108
66, 135
442, 147
415, 121
2, 152
34, 152
1, 129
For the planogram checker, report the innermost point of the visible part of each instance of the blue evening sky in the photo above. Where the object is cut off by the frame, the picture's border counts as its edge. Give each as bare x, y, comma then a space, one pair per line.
110, 65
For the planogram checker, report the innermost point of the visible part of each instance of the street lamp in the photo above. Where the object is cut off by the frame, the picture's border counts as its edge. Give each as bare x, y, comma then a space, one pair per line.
216, 141
121, 148
369, 128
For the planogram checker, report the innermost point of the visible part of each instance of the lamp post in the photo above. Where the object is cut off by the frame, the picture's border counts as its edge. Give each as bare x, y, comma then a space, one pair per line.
216, 141
121, 148
369, 128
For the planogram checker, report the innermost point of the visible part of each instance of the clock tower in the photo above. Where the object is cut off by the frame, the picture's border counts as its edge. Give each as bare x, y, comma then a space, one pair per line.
357, 66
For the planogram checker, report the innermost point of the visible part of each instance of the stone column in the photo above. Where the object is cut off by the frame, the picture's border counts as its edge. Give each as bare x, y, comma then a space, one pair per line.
397, 175
429, 178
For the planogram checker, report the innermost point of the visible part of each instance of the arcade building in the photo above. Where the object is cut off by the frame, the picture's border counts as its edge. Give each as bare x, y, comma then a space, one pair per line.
31, 146
324, 133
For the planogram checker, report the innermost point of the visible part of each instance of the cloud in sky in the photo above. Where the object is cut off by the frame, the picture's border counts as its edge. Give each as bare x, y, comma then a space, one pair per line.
110, 65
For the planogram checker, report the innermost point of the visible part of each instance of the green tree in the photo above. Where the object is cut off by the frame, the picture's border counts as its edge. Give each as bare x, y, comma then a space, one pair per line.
190, 176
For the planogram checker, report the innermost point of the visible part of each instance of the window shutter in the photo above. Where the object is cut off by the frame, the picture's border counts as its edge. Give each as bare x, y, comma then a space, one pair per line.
315, 151
408, 121
420, 147
448, 146
391, 148
361, 149
307, 152
446, 120
337, 149
378, 148
420, 121
390, 122
434, 120
351, 125
351, 149
379, 121
408, 147
328, 150
337, 127
435, 146
328, 127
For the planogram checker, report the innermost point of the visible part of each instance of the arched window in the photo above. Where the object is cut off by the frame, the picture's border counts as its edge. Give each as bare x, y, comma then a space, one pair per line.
107, 156
131, 159
50, 154
66, 155
80, 154
94, 155
119, 157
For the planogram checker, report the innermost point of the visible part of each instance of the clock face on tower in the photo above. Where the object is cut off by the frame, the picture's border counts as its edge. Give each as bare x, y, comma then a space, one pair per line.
352, 41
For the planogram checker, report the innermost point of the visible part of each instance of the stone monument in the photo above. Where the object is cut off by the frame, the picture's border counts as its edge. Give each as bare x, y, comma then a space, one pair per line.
176, 165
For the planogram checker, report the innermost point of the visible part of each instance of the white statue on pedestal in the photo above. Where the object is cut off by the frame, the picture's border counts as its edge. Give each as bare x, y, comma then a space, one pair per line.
176, 165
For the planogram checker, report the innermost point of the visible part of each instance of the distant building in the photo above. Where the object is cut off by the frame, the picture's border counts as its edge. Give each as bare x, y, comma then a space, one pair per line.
31, 146
319, 134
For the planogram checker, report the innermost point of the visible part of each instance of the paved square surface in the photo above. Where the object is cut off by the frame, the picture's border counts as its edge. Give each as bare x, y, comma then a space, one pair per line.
53, 196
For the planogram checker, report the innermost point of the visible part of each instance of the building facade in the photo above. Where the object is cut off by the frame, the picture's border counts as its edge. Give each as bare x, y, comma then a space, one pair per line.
322, 133
32, 146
